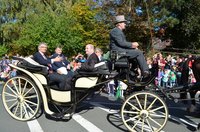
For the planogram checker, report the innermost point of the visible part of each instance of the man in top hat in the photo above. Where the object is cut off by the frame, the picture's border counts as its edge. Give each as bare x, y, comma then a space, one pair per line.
119, 43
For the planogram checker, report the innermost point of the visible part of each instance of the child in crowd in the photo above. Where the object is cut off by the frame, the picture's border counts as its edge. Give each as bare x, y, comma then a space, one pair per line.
172, 77
165, 78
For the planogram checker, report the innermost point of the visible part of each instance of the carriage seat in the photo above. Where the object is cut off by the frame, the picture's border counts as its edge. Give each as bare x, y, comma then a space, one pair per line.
100, 68
119, 59
31, 65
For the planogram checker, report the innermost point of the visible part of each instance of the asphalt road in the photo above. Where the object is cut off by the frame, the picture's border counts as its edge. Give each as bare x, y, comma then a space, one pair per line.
97, 114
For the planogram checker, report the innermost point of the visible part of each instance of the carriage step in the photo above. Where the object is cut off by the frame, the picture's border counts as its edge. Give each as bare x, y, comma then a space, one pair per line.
61, 115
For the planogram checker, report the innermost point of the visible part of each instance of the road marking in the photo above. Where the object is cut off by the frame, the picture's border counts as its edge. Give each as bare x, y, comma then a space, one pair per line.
86, 124
34, 126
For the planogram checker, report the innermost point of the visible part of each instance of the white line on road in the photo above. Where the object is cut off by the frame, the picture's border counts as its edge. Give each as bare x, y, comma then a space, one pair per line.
34, 126
86, 124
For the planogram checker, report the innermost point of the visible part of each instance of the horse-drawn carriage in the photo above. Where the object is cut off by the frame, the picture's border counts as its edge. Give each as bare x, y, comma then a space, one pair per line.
24, 95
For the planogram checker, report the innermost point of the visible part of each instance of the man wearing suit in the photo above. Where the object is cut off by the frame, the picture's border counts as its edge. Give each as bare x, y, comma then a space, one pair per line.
41, 58
119, 43
63, 66
91, 60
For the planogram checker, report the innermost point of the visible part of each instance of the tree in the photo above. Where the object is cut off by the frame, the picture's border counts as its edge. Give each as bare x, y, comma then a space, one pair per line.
69, 23
146, 18
186, 33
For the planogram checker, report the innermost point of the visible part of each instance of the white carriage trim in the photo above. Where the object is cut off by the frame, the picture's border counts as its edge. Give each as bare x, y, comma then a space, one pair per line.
39, 85
197, 96
86, 82
30, 60
41, 78
100, 64
60, 96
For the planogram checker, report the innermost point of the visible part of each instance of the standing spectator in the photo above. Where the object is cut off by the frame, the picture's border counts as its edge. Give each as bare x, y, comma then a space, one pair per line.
165, 78
159, 77
172, 77
161, 61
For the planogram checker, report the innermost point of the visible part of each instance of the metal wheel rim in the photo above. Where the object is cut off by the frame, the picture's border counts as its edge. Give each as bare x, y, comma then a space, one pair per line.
142, 114
21, 98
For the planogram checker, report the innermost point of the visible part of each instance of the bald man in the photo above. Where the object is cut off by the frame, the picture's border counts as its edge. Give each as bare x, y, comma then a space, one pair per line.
91, 60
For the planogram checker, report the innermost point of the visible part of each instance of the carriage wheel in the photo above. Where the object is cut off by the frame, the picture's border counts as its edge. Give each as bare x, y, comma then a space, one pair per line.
21, 98
144, 111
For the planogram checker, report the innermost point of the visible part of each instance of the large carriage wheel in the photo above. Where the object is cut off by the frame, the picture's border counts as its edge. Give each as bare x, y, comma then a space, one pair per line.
144, 111
21, 98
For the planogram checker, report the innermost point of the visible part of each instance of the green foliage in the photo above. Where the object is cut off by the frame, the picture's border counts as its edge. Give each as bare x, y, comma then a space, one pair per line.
75, 23
68, 23
3, 50
186, 34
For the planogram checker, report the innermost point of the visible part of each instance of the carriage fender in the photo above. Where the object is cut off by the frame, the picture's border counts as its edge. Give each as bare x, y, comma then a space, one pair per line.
38, 84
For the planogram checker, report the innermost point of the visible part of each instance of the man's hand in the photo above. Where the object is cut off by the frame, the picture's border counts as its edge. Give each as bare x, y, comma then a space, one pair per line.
135, 45
57, 59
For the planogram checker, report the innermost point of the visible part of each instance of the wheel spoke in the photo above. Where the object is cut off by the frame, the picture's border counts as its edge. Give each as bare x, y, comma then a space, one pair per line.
32, 96
132, 118
31, 102
15, 86
130, 112
28, 91
20, 87
156, 115
157, 109
155, 122
8, 94
136, 123
149, 124
145, 101
13, 105
142, 124
26, 113
21, 110
152, 104
29, 108
16, 109
12, 90
138, 102
24, 87
9, 100
133, 106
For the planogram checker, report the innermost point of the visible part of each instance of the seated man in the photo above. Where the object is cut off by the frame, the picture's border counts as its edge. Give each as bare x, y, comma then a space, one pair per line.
63, 66
119, 43
91, 60
42, 59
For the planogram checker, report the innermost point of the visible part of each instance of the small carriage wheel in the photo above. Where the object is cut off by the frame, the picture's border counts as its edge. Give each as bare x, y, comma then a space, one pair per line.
21, 98
144, 111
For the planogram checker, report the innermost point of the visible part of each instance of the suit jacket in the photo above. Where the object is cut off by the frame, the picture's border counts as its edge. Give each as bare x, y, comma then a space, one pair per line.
41, 60
60, 64
118, 40
90, 62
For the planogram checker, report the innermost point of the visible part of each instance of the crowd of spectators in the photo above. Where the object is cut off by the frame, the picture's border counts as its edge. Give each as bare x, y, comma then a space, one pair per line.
170, 70
5, 70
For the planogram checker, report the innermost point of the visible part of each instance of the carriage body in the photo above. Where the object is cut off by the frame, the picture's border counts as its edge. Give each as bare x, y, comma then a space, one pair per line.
24, 94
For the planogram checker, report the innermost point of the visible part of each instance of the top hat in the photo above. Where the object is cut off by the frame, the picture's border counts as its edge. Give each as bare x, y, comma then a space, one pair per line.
119, 19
